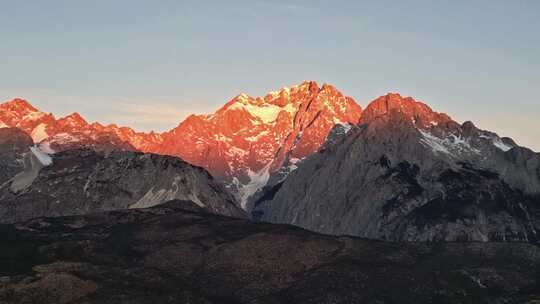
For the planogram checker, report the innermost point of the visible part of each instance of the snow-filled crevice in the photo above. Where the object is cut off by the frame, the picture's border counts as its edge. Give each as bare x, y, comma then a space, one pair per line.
44, 158
452, 145
257, 181
39, 133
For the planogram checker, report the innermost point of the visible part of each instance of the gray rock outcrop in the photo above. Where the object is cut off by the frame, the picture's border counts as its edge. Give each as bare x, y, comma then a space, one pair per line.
407, 173
14, 143
85, 181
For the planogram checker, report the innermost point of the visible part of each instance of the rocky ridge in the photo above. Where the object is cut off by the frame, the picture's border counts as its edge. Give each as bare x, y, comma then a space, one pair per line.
72, 131
249, 138
241, 144
407, 173
85, 181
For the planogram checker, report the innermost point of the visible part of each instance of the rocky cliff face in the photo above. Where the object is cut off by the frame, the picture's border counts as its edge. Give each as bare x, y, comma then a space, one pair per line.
13, 144
85, 181
177, 253
249, 138
241, 144
72, 131
409, 173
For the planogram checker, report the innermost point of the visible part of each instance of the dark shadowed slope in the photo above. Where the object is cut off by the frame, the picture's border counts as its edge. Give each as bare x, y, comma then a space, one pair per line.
176, 253
13, 144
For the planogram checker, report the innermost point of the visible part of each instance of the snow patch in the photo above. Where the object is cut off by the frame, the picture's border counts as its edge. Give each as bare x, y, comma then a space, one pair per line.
44, 158
39, 133
497, 142
257, 181
295, 160
256, 137
451, 145
155, 197
435, 143
293, 164
64, 138
346, 127
222, 138
45, 146
461, 144
290, 108
33, 116
267, 113
235, 151
277, 93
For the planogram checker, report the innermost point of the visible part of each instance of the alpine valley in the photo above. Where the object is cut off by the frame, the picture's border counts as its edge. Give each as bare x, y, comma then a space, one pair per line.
392, 203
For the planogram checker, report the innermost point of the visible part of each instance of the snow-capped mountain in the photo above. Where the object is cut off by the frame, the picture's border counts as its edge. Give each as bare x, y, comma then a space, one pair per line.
439, 132
247, 139
72, 131
397, 170
409, 173
18, 113
240, 144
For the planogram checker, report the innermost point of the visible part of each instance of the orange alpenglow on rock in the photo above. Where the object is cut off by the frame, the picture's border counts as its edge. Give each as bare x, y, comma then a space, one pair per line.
72, 131
241, 143
248, 138
420, 114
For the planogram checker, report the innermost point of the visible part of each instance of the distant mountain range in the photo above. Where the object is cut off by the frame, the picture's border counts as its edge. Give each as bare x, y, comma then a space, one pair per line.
104, 214
240, 144
72, 131
305, 155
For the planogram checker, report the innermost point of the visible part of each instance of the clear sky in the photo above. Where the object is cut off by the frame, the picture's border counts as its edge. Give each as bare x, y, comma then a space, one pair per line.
148, 64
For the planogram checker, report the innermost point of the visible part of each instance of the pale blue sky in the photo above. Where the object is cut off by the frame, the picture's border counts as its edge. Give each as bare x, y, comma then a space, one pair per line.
150, 63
